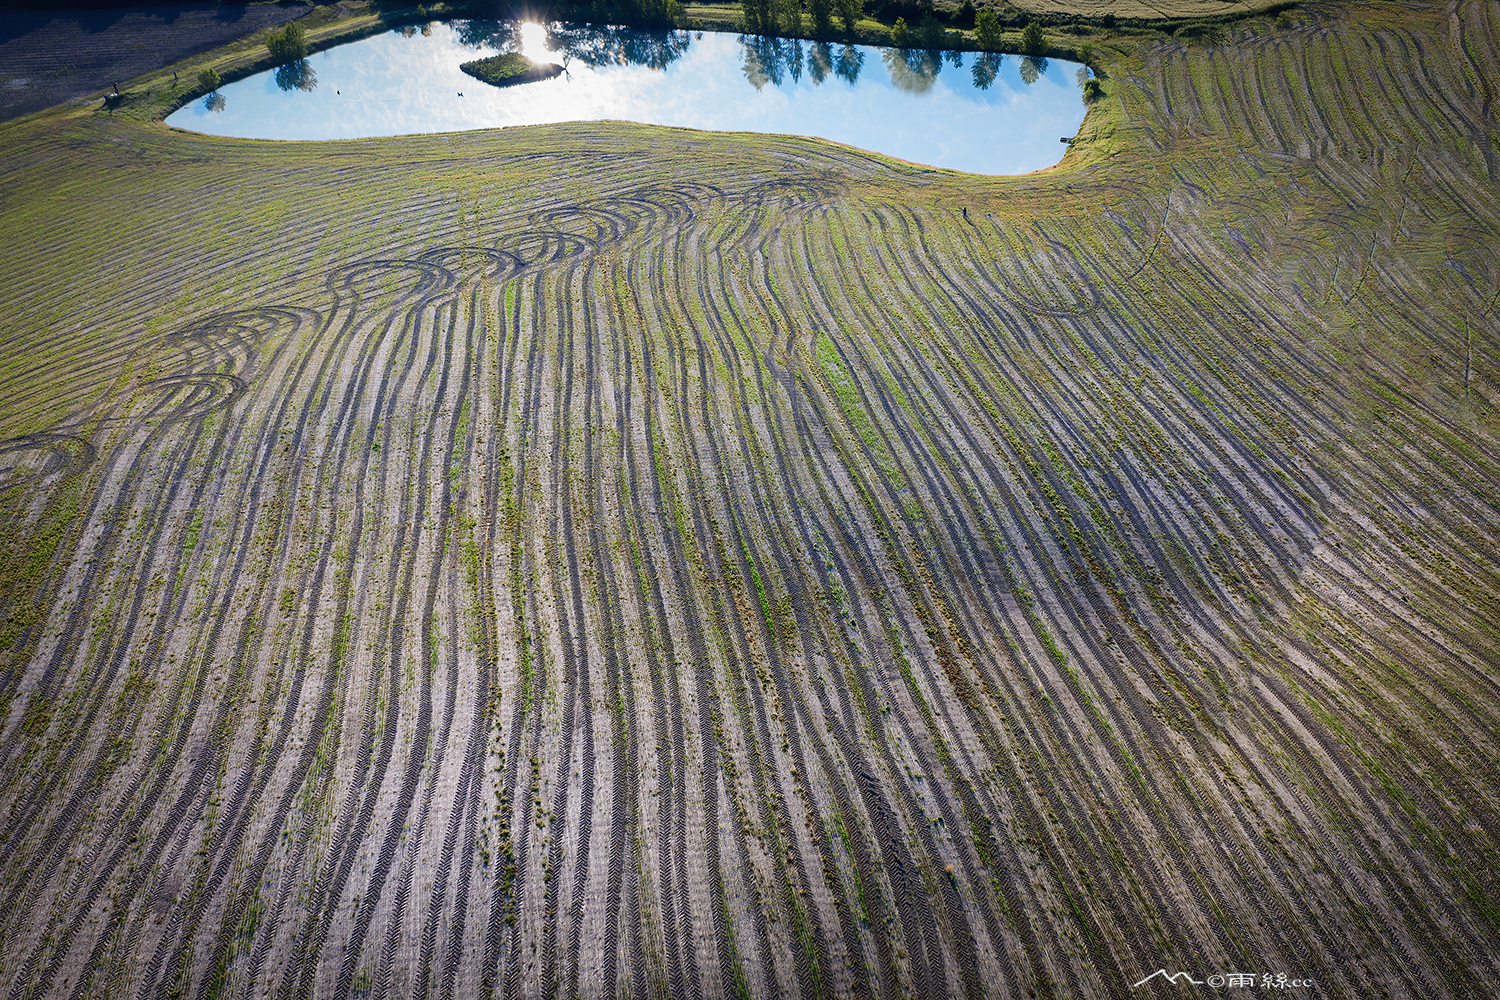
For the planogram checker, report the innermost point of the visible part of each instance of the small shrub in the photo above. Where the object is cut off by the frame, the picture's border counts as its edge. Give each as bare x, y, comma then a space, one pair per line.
987, 30
900, 35
1033, 41
289, 44
209, 79
1092, 91
1086, 56
1109, 22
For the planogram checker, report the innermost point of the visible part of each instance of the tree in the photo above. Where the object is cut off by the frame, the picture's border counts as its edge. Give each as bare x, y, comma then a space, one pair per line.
900, 35
755, 14
822, 15
769, 17
849, 13
1092, 91
987, 30
1033, 41
209, 80
965, 17
789, 15
930, 33
289, 44
655, 12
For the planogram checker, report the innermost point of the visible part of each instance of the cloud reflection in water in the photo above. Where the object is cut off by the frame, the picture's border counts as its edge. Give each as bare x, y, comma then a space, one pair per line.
925, 106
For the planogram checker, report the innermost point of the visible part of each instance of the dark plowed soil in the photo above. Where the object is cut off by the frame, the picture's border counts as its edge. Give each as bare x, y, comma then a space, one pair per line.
60, 54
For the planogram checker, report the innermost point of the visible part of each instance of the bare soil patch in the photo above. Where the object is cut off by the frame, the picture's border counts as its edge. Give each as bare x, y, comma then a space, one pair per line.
48, 56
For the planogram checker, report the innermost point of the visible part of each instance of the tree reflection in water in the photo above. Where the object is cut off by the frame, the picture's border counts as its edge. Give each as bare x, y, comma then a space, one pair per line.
1032, 68
613, 45
985, 69
850, 62
766, 59
819, 61
794, 60
297, 75
214, 102
591, 44
912, 70
772, 60
478, 33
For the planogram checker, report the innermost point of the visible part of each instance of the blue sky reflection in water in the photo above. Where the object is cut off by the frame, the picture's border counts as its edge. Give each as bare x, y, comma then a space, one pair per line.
927, 107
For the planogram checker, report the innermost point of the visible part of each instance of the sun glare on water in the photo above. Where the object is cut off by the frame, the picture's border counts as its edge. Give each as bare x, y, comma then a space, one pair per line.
534, 42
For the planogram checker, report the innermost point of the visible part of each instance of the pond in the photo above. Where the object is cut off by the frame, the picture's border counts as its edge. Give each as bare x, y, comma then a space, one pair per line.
978, 112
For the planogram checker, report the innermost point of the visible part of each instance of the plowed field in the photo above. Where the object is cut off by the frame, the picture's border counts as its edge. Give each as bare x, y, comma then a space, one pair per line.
48, 56
600, 560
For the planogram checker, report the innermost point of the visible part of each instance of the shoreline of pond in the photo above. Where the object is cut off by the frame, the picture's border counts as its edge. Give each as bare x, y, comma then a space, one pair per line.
979, 113
154, 96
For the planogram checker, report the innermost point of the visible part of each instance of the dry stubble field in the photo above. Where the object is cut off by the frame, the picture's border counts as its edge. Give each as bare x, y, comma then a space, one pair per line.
601, 560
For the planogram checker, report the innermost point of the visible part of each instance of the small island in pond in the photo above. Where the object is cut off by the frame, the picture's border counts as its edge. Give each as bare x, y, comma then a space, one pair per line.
509, 69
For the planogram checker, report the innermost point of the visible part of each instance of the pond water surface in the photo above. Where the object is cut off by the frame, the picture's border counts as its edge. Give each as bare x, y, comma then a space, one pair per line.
982, 113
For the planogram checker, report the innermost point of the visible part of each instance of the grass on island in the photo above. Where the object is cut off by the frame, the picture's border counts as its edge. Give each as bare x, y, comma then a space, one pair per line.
509, 69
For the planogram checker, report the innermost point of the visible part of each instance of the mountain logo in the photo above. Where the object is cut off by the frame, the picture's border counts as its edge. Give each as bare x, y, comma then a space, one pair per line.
1171, 979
